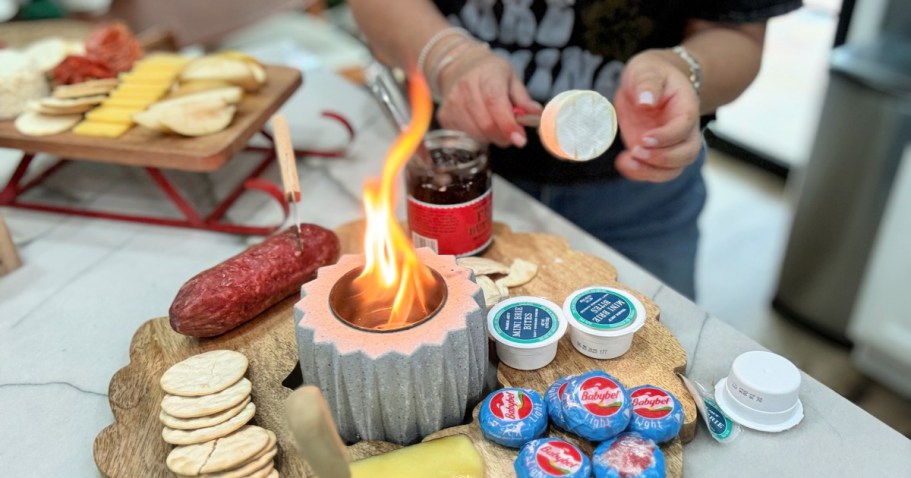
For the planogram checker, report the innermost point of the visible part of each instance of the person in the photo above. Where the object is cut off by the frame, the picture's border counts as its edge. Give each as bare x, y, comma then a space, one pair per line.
665, 65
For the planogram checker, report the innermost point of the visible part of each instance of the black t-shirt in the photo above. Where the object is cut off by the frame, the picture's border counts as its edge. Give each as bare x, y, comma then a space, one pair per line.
558, 45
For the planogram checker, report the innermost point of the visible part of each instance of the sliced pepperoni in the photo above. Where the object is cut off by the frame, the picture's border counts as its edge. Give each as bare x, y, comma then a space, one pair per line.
76, 69
115, 46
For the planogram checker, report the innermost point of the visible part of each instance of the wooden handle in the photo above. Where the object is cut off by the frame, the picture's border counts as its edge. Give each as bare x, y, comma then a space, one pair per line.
525, 119
315, 433
287, 162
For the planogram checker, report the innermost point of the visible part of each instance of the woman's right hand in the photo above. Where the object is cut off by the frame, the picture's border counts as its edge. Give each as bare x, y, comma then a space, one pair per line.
479, 92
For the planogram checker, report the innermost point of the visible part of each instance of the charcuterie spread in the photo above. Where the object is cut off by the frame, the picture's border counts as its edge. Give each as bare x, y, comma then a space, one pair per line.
106, 84
391, 342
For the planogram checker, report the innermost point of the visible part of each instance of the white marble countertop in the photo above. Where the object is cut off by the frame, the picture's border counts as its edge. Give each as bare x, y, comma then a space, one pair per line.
67, 316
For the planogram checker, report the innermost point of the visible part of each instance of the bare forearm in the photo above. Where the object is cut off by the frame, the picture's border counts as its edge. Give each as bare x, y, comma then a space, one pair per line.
397, 30
730, 57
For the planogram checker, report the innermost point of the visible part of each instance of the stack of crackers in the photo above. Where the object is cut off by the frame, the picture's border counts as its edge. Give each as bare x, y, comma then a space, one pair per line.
205, 412
64, 109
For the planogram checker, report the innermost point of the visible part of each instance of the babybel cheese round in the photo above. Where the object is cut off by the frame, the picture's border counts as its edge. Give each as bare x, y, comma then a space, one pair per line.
548, 457
554, 400
513, 416
626, 455
596, 406
657, 414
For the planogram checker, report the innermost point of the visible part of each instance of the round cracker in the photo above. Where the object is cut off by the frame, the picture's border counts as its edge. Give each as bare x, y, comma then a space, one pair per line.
55, 111
194, 407
86, 88
51, 102
201, 422
191, 437
204, 374
236, 448
264, 459
33, 123
188, 460
264, 472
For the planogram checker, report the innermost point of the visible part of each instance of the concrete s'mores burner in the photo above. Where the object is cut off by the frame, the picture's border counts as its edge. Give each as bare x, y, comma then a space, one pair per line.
396, 382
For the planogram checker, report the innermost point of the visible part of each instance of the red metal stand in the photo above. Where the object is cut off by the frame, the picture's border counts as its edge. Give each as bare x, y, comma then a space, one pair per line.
11, 194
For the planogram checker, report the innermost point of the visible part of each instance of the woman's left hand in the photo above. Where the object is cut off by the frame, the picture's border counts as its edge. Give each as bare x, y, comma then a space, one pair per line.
658, 111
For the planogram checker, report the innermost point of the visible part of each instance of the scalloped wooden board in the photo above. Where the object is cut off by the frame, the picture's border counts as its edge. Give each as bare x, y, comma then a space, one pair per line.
132, 446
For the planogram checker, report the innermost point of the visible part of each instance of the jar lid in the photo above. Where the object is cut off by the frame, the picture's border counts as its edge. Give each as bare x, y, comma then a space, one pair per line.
604, 311
526, 322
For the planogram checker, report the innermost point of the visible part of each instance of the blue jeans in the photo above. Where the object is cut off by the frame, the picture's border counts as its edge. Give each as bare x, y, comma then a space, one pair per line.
655, 225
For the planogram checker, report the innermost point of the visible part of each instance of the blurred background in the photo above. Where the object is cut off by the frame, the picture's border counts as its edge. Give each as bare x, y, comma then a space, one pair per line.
805, 234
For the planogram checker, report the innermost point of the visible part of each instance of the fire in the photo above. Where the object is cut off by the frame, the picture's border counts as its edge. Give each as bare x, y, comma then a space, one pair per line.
393, 278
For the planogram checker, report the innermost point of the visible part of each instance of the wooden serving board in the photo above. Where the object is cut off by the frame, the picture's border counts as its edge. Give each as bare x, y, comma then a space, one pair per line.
132, 445
144, 147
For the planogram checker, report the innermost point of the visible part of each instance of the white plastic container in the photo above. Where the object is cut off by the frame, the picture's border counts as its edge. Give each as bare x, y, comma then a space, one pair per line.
526, 330
603, 320
761, 392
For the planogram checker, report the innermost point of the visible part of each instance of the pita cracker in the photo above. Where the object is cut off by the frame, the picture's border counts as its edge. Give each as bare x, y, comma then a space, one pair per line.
483, 266
521, 272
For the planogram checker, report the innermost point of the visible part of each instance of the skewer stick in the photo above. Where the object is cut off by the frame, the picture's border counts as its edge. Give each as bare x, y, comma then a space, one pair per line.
287, 162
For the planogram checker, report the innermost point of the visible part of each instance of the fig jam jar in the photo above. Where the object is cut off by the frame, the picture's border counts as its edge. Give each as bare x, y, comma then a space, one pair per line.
450, 202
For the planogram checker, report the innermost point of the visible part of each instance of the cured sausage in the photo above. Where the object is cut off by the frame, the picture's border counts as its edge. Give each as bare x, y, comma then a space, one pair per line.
115, 46
237, 290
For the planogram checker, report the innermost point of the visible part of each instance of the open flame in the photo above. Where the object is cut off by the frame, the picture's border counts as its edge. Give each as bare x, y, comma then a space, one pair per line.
394, 282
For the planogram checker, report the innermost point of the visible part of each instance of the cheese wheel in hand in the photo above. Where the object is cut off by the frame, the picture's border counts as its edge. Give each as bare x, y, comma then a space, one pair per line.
578, 125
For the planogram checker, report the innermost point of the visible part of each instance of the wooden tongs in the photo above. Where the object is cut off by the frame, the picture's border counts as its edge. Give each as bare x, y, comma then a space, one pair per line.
287, 162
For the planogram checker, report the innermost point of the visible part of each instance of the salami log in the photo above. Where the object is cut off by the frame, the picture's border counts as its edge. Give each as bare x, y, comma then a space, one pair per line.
237, 290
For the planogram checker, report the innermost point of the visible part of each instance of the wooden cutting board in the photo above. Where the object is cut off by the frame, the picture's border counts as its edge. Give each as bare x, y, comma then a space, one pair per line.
147, 148
132, 445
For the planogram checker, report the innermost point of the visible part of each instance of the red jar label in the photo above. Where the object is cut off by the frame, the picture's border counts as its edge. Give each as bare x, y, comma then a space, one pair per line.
457, 229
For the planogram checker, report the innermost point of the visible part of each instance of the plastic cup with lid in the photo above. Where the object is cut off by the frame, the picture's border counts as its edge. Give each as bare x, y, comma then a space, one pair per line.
526, 331
603, 320
761, 392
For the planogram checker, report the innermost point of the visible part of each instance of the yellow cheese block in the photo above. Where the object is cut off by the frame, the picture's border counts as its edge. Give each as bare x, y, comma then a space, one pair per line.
148, 77
136, 103
111, 114
143, 88
150, 68
135, 95
165, 59
97, 128
451, 457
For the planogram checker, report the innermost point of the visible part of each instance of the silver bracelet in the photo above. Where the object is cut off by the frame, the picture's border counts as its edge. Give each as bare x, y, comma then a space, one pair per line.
422, 57
695, 67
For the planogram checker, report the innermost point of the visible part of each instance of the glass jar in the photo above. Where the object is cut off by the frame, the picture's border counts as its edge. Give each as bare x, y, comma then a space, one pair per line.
450, 202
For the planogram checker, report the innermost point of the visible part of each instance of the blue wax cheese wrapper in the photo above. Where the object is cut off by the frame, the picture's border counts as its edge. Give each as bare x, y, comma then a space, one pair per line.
554, 400
657, 414
596, 406
547, 457
628, 455
513, 416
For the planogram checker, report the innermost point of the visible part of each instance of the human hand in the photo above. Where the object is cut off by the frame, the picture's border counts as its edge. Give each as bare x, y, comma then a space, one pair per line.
479, 92
658, 112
